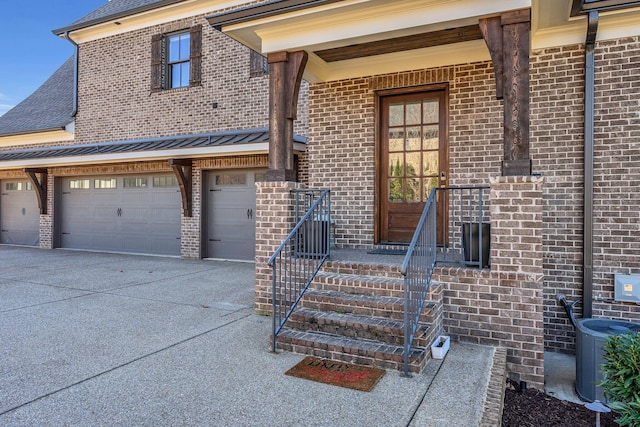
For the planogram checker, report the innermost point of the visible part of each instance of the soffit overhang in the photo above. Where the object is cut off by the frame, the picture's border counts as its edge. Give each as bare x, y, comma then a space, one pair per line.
355, 38
358, 38
144, 17
563, 22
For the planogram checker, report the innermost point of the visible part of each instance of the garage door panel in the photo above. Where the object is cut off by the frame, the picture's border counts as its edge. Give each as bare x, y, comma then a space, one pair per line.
140, 219
19, 213
231, 206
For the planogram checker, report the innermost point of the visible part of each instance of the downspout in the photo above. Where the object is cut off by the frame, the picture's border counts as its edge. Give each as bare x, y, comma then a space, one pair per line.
589, 105
75, 73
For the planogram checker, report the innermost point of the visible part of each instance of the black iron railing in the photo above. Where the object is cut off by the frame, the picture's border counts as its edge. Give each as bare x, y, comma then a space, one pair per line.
417, 269
299, 258
464, 228
453, 228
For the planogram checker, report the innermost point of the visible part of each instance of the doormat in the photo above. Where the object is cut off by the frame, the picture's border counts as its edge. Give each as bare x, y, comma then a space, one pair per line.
387, 252
337, 373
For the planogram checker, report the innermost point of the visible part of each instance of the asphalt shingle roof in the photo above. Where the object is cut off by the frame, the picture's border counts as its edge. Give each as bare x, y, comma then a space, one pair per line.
114, 9
49, 107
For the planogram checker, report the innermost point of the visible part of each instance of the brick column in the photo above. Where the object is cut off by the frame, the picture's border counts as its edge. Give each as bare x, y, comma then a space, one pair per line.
46, 220
516, 263
274, 221
190, 229
516, 224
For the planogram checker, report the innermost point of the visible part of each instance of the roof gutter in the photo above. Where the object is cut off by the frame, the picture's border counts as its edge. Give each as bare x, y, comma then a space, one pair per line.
589, 106
591, 8
264, 10
75, 73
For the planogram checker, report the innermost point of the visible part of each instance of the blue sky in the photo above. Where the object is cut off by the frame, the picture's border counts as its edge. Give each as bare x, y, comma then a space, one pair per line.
30, 51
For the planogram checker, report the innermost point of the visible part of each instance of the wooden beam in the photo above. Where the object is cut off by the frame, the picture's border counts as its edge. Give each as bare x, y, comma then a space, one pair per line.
182, 169
40, 185
516, 96
401, 44
285, 77
507, 37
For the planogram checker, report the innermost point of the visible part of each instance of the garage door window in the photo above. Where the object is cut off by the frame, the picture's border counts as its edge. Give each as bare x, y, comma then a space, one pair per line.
231, 179
105, 183
135, 183
79, 184
165, 181
13, 186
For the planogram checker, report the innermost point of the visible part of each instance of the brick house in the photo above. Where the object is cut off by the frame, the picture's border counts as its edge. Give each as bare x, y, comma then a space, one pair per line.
150, 143
486, 93
504, 100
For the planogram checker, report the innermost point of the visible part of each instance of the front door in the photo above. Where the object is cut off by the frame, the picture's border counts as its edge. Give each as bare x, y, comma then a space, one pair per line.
413, 160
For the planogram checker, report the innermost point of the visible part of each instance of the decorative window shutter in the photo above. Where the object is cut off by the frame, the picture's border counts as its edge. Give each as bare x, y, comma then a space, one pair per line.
258, 65
195, 75
156, 62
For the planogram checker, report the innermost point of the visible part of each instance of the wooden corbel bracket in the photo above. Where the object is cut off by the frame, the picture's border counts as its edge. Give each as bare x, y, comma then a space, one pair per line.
182, 170
40, 185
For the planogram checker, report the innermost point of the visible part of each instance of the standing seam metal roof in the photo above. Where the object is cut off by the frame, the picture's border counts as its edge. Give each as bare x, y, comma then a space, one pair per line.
214, 139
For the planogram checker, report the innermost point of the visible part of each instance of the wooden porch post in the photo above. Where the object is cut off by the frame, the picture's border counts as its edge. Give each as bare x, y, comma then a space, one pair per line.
285, 76
507, 38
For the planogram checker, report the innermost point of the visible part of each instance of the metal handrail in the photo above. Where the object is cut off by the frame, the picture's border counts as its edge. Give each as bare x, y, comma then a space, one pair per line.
417, 269
299, 258
465, 226
463, 220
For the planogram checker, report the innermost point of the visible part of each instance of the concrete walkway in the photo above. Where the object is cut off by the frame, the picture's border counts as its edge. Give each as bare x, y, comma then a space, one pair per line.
107, 339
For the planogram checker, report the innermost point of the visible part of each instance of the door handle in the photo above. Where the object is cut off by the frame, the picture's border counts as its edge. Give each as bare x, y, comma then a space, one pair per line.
119, 211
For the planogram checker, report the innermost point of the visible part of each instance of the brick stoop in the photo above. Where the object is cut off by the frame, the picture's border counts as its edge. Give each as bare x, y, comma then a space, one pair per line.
354, 312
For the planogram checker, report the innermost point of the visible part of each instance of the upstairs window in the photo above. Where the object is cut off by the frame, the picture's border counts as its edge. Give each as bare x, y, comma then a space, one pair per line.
178, 48
176, 59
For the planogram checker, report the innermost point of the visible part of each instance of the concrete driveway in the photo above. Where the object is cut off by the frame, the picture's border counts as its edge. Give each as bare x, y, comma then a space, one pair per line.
107, 339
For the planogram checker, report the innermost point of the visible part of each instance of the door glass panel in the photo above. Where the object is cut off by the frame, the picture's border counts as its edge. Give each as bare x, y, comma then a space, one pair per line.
413, 164
413, 113
396, 165
396, 139
395, 190
413, 190
430, 141
430, 111
396, 114
428, 185
430, 163
413, 138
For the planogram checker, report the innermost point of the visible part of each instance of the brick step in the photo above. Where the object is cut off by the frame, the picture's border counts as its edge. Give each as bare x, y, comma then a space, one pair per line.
388, 331
359, 284
363, 268
352, 350
365, 305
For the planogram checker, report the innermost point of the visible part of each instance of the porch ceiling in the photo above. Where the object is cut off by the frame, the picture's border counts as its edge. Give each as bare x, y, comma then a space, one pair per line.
355, 38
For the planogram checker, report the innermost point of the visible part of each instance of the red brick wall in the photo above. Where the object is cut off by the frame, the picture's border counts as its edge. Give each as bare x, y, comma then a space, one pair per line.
342, 139
557, 150
503, 306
